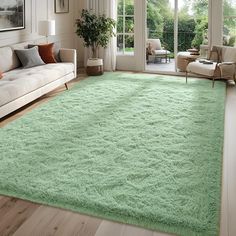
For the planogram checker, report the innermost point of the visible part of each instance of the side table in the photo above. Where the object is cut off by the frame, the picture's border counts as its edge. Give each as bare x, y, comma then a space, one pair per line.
183, 58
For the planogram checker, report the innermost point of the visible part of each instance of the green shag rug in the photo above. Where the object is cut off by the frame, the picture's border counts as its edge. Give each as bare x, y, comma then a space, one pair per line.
134, 148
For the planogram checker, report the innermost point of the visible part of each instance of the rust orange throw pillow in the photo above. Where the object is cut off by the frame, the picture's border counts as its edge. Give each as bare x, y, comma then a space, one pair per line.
1, 74
46, 53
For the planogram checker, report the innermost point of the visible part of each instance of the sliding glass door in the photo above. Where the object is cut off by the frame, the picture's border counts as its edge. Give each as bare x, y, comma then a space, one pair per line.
173, 27
160, 35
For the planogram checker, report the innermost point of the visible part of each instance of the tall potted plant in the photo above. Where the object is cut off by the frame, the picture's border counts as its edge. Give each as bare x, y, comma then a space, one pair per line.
96, 31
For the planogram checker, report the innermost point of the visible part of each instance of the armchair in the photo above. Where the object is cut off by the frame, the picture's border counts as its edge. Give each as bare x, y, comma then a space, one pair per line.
156, 51
221, 64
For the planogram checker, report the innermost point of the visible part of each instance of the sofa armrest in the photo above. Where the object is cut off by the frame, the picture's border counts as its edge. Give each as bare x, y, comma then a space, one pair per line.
226, 63
69, 55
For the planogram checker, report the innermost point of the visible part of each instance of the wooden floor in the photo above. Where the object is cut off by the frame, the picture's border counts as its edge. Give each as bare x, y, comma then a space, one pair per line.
23, 218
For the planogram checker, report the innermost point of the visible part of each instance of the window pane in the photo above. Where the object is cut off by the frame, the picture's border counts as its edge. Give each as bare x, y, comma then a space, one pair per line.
125, 26
129, 7
120, 8
120, 25
229, 29
129, 24
120, 44
129, 44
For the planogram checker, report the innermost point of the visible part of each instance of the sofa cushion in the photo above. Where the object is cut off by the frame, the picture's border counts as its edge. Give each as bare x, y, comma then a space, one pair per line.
46, 53
29, 57
18, 82
55, 50
16, 61
8, 59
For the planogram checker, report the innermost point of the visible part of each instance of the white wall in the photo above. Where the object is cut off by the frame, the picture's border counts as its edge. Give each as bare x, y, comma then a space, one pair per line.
80, 4
37, 10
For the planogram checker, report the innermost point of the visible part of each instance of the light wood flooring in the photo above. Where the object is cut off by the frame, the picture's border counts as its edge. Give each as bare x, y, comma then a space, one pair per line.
23, 218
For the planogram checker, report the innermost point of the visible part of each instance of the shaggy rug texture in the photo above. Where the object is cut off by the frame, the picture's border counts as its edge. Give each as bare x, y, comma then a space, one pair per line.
135, 148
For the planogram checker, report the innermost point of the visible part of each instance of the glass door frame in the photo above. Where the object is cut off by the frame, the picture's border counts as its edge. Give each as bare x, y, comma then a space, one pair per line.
175, 40
215, 32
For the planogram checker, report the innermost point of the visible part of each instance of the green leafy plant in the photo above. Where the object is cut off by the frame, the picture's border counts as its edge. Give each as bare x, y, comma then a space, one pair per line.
96, 30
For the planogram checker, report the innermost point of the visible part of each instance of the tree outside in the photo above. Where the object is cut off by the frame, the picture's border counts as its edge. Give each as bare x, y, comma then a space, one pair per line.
192, 23
192, 26
229, 28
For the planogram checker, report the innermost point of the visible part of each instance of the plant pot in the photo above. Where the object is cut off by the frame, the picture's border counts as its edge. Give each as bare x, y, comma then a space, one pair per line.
94, 66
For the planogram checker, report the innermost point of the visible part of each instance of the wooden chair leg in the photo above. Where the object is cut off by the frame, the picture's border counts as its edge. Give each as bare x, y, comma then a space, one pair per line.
186, 76
66, 86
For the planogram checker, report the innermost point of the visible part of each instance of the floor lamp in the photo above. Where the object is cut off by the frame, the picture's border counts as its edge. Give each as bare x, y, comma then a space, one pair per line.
47, 28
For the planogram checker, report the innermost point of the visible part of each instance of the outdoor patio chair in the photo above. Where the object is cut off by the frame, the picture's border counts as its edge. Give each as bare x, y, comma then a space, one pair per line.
156, 52
221, 64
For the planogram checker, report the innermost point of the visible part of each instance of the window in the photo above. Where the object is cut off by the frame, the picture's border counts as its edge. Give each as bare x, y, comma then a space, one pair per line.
229, 29
125, 27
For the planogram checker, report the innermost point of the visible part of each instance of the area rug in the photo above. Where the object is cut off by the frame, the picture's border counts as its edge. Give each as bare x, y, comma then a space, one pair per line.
135, 148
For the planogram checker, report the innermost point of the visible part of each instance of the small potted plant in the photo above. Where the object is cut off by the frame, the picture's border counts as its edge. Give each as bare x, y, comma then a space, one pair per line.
96, 31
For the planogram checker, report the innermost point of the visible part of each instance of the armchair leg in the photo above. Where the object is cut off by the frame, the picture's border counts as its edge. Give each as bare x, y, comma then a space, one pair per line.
213, 82
66, 86
186, 76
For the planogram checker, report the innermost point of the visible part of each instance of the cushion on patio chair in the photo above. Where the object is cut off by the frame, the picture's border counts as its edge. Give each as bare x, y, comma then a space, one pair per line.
155, 43
156, 47
161, 52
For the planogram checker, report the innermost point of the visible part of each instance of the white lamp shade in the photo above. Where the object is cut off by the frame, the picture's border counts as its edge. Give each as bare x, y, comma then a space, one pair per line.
47, 27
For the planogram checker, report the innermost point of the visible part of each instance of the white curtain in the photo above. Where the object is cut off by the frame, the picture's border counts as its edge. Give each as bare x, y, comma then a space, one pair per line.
109, 8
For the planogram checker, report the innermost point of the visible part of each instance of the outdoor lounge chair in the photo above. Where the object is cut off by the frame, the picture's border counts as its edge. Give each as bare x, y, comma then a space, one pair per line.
156, 51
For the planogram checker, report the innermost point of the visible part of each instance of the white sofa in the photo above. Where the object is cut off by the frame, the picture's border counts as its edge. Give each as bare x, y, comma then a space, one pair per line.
21, 86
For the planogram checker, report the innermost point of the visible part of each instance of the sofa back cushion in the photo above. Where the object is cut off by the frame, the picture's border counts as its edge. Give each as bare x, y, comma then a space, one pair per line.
8, 59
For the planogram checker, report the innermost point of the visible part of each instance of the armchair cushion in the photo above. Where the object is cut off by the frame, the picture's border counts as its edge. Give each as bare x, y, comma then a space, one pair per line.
155, 43
202, 69
161, 52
